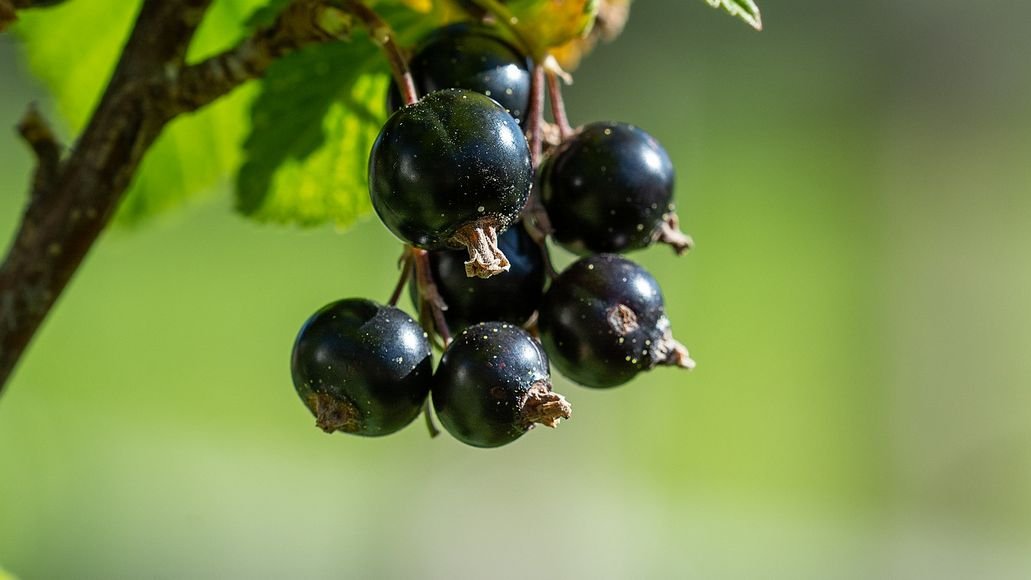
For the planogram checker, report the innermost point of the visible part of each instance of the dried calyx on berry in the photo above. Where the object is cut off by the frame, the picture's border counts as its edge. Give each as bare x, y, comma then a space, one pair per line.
609, 188
512, 296
451, 171
493, 384
362, 368
603, 321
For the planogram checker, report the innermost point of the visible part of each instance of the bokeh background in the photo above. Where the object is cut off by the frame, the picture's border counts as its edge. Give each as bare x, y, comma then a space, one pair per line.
858, 177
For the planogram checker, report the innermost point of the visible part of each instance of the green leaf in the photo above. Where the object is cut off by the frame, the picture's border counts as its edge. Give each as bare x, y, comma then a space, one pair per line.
195, 152
317, 113
313, 125
75, 71
267, 14
743, 9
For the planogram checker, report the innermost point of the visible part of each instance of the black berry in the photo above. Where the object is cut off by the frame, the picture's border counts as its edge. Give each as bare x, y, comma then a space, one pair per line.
472, 57
362, 368
610, 189
452, 170
603, 321
493, 384
511, 297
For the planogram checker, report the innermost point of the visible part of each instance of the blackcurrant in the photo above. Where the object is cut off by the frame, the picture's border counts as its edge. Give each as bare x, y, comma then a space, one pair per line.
493, 385
451, 171
610, 189
362, 368
472, 57
509, 297
603, 321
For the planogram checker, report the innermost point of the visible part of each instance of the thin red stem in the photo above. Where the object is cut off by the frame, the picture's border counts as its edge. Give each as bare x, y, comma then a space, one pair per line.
535, 124
431, 425
383, 35
558, 106
402, 281
429, 295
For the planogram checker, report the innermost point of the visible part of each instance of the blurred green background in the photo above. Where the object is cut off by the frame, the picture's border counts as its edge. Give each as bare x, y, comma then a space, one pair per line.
858, 177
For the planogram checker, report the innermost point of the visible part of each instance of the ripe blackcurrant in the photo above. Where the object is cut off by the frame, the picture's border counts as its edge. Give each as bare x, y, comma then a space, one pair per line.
452, 170
509, 297
493, 384
603, 321
362, 368
472, 57
610, 189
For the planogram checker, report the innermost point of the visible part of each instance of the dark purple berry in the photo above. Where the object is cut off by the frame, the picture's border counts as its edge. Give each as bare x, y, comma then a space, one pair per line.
493, 385
362, 368
511, 297
603, 321
452, 171
610, 189
471, 57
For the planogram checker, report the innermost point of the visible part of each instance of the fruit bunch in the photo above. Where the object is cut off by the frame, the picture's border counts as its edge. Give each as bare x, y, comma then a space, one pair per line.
474, 181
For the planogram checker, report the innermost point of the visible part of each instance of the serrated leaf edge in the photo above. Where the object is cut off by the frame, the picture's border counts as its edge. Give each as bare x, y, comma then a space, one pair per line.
743, 9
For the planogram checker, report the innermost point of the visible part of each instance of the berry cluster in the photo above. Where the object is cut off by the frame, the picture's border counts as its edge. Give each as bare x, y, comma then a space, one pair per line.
473, 180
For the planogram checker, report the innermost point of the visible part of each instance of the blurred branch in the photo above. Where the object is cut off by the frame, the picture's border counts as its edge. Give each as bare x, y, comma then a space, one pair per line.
36, 132
7, 14
72, 200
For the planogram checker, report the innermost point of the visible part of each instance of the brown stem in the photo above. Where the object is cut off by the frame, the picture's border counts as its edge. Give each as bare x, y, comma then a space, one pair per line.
558, 106
534, 125
383, 35
36, 132
402, 280
7, 11
431, 425
430, 299
73, 200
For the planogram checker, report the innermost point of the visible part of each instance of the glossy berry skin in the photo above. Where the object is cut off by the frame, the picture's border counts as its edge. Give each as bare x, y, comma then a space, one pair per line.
472, 57
608, 189
362, 368
484, 381
509, 297
603, 321
452, 159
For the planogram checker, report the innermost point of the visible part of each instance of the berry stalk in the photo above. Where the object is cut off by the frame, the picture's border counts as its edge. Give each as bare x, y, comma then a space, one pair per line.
431, 305
406, 272
535, 125
383, 35
558, 106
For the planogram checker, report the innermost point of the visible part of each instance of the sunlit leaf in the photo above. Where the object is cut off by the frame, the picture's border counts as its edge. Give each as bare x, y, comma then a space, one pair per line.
314, 123
553, 23
195, 152
743, 9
